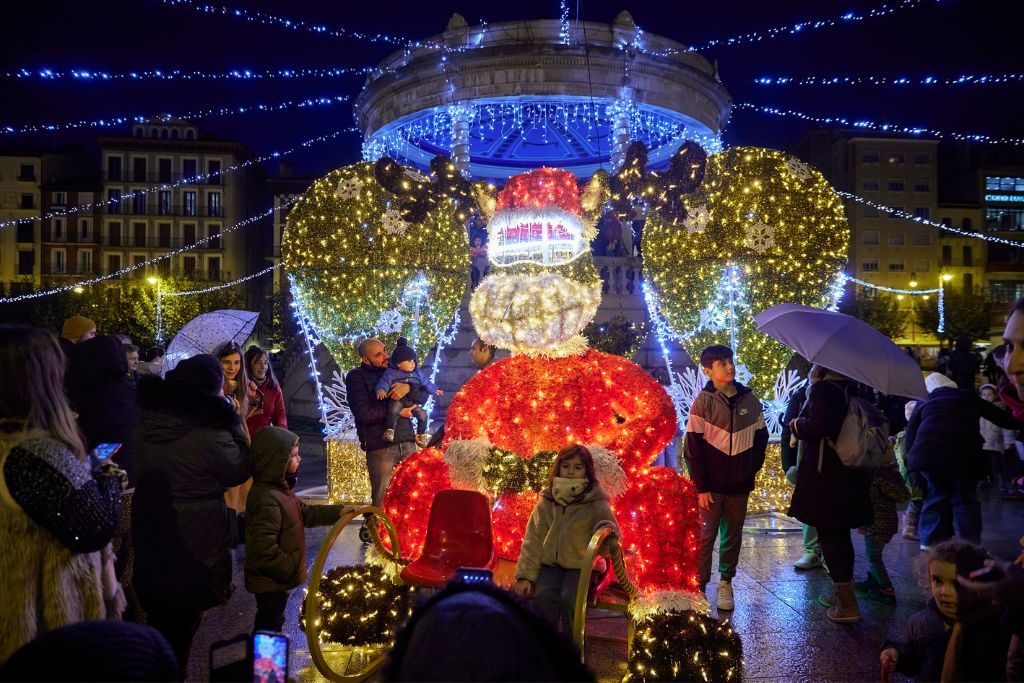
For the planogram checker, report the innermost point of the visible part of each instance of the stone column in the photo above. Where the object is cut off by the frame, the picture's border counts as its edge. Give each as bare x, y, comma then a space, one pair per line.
462, 120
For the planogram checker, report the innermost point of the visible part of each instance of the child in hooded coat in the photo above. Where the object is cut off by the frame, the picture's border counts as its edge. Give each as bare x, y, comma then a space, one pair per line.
275, 542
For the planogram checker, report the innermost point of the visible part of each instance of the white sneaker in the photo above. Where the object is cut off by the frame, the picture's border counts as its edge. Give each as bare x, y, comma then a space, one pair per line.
725, 600
808, 561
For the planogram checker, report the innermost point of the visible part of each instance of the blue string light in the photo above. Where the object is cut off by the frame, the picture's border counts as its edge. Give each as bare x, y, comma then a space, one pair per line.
206, 113
184, 75
941, 291
881, 127
184, 181
966, 79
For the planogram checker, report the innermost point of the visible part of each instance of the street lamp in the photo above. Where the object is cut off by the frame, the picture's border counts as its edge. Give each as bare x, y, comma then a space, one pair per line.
155, 281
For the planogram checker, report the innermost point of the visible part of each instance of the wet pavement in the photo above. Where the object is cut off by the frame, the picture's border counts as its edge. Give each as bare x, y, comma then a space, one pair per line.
786, 636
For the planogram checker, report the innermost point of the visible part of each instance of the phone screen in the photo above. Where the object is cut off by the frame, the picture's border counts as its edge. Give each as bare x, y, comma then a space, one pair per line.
270, 657
105, 450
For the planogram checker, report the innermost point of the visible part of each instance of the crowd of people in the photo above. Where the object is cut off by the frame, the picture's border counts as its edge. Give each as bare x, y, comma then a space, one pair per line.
202, 462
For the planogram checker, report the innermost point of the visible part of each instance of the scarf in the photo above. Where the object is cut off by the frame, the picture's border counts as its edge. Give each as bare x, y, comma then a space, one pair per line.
565, 491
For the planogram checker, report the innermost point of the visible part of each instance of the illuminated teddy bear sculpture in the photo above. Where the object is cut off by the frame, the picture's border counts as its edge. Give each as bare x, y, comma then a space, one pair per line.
505, 425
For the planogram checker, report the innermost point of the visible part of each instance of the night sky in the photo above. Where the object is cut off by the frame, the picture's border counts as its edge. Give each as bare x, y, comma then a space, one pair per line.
941, 39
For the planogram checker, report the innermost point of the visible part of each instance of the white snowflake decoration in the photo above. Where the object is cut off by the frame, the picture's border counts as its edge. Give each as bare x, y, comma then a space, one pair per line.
697, 218
714, 318
683, 391
786, 384
760, 237
389, 322
393, 222
349, 188
798, 168
743, 375
338, 419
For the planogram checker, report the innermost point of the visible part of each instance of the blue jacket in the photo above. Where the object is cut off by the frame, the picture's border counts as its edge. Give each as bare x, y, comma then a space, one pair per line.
392, 375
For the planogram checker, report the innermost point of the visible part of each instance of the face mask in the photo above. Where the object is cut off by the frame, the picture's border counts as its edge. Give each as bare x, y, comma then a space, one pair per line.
566, 490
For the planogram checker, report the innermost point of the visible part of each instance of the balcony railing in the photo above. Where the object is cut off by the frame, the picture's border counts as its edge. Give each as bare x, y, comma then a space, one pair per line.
131, 242
129, 208
158, 178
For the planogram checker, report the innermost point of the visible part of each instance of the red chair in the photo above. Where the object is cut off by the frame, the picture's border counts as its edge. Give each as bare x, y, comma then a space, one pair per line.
458, 535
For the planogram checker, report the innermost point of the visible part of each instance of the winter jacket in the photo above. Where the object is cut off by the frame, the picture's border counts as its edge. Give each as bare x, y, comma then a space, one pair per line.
104, 398
559, 534
994, 437
828, 494
272, 412
962, 368
943, 435
923, 648
726, 438
371, 414
275, 544
789, 453
188, 450
56, 522
414, 378
887, 489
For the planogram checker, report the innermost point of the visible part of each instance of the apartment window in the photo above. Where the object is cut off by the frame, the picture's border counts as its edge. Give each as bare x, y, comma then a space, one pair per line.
113, 168
869, 158
922, 158
189, 169
189, 232
968, 283
113, 201
214, 234
58, 260
165, 206
870, 237
137, 261
163, 268
967, 225
922, 186
113, 263
139, 169
897, 158
59, 229
59, 199
26, 232
138, 234
922, 212
27, 172
213, 267
213, 169
896, 266
188, 265
897, 239
999, 219
922, 239
968, 254
870, 185
1005, 184
213, 206
163, 170
188, 203
947, 255
922, 265
26, 262
164, 235
869, 211
114, 234
869, 265
139, 202
896, 185
84, 229
84, 261
28, 201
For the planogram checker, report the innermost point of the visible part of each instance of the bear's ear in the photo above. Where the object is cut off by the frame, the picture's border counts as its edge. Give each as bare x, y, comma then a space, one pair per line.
486, 196
593, 197
389, 174
686, 169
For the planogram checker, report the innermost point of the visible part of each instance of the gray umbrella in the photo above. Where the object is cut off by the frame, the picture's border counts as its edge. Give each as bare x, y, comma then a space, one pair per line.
208, 332
846, 345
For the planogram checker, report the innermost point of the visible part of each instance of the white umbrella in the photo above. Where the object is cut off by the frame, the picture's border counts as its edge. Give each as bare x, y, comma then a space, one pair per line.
208, 332
846, 345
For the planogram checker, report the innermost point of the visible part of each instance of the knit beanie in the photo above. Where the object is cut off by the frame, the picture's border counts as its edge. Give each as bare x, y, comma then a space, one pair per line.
402, 352
76, 326
937, 380
198, 374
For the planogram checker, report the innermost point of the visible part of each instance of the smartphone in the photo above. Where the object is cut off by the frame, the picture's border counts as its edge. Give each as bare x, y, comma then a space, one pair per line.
269, 657
474, 575
105, 450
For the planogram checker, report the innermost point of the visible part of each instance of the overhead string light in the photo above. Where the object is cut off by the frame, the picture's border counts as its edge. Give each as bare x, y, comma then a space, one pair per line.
225, 285
114, 121
563, 22
92, 75
881, 127
899, 213
941, 291
965, 79
156, 259
184, 181
883, 10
